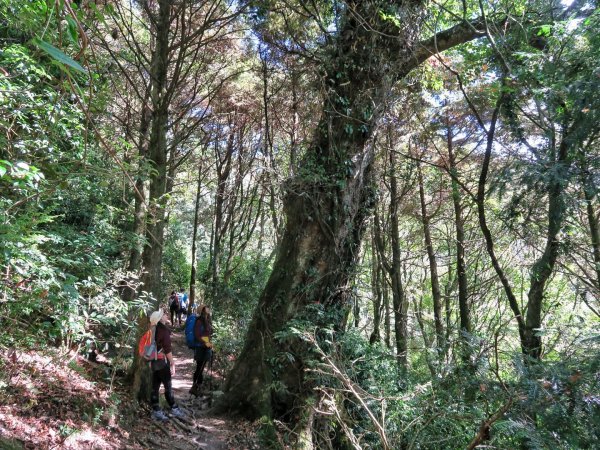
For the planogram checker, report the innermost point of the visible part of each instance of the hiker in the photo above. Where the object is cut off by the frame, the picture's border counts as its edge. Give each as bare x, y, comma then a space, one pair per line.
162, 375
174, 307
183, 301
203, 353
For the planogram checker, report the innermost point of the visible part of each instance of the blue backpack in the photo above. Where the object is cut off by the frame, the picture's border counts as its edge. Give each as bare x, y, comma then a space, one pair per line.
190, 337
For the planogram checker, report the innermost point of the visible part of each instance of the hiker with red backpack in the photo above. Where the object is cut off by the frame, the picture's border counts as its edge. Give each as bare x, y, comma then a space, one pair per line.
158, 351
201, 342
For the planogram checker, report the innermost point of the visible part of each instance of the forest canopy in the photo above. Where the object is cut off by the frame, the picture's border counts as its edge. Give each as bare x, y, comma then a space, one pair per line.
391, 207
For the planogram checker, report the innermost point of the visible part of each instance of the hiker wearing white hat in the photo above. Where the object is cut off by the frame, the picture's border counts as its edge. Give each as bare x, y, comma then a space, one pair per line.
163, 369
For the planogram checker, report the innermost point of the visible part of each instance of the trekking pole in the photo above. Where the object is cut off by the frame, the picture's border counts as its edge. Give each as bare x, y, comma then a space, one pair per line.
210, 372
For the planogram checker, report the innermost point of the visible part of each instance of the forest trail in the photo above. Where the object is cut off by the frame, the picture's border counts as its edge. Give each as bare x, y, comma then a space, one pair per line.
200, 429
57, 401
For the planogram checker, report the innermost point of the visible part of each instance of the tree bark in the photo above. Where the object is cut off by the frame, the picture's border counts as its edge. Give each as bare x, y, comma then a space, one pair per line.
487, 234
387, 318
194, 239
436, 293
139, 216
325, 208
461, 266
223, 163
157, 156
376, 283
542, 269
589, 194
399, 301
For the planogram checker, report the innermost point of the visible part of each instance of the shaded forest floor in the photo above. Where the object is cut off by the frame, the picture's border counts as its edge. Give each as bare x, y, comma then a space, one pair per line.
53, 402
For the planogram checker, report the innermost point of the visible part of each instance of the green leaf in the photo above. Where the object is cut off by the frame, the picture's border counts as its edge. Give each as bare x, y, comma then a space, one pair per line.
73, 30
544, 30
58, 55
4, 166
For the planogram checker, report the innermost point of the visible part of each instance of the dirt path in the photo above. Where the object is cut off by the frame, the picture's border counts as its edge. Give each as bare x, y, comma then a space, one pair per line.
66, 402
201, 429
214, 432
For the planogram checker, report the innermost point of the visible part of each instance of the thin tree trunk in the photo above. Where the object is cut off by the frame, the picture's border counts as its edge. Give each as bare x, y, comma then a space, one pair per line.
386, 309
590, 196
376, 289
489, 241
268, 144
223, 172
426, 340
542, 269
436, 293
295, 123
139, 217
461, 267
195, 238
398, 294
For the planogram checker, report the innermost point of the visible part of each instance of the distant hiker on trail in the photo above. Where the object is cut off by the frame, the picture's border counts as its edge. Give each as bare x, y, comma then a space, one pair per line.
183, 301
174, 308
203, 352
162, 375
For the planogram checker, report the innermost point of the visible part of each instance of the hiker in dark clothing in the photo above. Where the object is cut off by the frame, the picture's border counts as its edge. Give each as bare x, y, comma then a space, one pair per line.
164, 368
203, 333
174, 308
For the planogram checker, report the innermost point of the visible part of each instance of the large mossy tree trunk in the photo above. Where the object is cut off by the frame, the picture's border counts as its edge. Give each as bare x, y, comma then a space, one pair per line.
325, 207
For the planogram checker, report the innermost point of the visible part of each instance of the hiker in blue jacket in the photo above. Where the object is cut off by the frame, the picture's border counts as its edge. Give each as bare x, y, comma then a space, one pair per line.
183, 302
203, 332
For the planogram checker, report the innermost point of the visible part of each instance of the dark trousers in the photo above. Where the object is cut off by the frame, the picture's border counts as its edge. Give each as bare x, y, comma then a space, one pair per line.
162, 376
175, 313
202, 357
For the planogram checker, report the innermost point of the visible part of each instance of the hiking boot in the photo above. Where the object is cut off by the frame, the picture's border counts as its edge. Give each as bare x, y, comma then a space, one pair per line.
159, 415
195, 390
177, 412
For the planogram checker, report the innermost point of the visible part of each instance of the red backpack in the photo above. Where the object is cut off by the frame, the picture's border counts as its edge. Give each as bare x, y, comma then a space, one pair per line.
147, 346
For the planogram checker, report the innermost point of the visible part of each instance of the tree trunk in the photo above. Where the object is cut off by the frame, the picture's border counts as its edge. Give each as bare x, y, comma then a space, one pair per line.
139, 217
542, 269
223, 164
399, 301
436, 293
487, 234
295, 123
194, 239
387, 319
325, 208
590, 195
461, 266
157, 155
377, 293
394, 270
